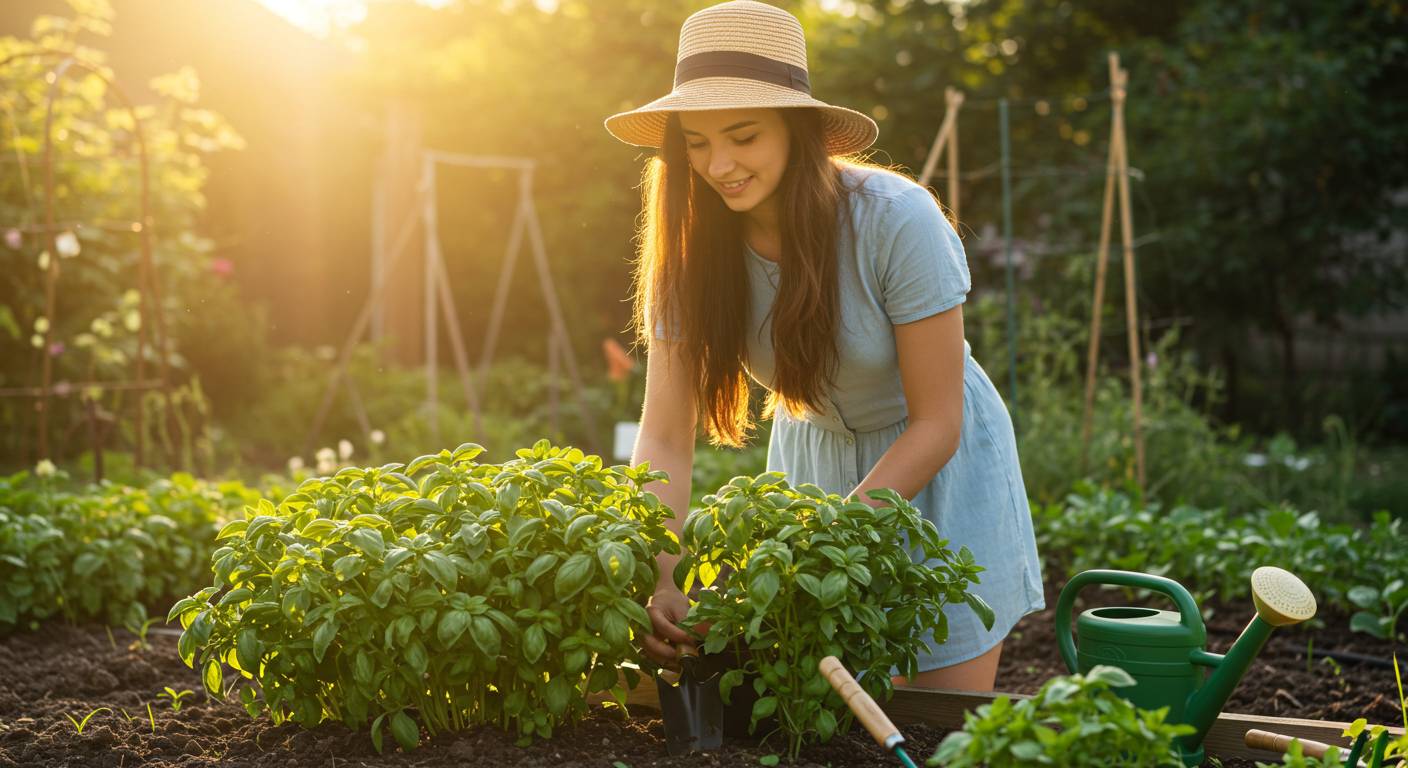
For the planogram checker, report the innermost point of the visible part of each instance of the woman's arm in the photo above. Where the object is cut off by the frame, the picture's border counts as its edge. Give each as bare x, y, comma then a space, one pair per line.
931, 359
666, 440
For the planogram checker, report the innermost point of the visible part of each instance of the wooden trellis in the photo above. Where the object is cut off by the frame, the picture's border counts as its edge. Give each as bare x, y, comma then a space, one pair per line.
439, 300
149, 286
1117, 177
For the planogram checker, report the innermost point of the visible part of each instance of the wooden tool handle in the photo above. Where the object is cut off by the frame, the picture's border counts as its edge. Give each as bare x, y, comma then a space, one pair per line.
1275, 742
867, 711
672, 676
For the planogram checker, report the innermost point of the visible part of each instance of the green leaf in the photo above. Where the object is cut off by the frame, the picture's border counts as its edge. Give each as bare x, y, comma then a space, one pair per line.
577, 528
573, 576
212, 678
485, 635
980, 607
247, 651
376, 732
810, 583
764, 707
383, 592
405, 730
834, 588
535, 641
440, 568
1364, 597
323, 637
541, 565
1363, 621
369, 541
348, 566
452, 625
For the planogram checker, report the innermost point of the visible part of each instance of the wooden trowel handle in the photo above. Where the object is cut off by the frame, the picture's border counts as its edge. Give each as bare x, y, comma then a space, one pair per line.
1278, 743
865, 708
672, 676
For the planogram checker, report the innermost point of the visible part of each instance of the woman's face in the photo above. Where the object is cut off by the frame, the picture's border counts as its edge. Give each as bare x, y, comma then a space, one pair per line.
737, 145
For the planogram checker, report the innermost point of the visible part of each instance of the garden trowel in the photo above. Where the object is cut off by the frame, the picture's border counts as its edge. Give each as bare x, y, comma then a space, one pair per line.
691, 705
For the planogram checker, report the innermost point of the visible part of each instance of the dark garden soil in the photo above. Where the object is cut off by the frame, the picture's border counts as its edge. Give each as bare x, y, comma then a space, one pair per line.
61, 670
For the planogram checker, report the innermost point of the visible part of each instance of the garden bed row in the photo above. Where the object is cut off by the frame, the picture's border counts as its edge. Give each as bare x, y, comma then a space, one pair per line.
61, 671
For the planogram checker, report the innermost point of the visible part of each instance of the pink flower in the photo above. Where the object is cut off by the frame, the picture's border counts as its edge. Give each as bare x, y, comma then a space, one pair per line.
222, 267
13, 239
1151, 360
56, 349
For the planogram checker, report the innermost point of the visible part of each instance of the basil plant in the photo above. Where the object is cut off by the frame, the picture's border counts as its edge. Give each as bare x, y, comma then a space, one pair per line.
792, 575
441, 594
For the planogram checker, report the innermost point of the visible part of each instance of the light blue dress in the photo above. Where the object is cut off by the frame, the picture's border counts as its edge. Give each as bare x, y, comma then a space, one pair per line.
907, 263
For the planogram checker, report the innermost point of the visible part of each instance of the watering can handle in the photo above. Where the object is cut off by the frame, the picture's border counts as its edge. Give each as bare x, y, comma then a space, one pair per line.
1188, 614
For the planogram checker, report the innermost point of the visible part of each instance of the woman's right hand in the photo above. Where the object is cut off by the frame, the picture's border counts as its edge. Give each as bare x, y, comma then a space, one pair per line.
666, 608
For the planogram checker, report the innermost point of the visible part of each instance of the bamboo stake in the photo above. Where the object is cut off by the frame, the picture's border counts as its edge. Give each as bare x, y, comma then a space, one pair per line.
1131, 301
947, 136
1101, 260
451, 314
954, 98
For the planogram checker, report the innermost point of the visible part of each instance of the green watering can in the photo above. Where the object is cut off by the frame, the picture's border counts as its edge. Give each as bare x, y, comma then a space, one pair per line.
1163, 650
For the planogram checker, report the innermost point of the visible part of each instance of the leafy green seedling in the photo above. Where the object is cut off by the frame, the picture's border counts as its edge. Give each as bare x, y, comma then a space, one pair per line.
1074, 721
141, 632
175, 697
1381, 609
151, 717
79, 725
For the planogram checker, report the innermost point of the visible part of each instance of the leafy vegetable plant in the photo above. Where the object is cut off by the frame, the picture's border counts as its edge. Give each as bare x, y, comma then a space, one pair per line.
1213, 553
1381, 609
109, 550
1074, 721
442, 593
806, 574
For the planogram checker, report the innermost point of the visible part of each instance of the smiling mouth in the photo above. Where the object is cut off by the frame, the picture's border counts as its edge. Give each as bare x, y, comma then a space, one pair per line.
736, 186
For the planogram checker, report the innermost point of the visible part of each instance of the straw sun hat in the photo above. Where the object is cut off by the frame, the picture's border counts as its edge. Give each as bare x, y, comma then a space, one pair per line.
737, 55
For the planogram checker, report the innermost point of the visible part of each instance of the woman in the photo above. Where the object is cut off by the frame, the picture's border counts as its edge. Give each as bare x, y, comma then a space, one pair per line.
837, 285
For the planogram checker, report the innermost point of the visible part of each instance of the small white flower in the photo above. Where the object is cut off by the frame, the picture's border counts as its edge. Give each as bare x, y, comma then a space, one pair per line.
102, 326
344, 449
85, 340
43, 261
36, 341
1298, 463
295, 464
326, 455
1254, 459
377, 437
327, 467
67, 245
45, 468
41, 325
132, 320
131, 298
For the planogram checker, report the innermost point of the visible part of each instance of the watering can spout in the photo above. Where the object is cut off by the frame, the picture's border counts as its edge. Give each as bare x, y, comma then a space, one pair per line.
1281, 599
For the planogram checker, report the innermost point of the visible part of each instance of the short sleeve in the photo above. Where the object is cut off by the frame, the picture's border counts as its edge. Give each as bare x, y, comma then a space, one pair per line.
924, 270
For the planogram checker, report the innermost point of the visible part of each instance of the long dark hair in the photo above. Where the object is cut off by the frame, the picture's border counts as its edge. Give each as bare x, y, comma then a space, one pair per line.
690, 275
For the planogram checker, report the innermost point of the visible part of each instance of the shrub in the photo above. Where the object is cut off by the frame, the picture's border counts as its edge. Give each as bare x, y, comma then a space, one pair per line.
108, 551
443, 591
1074, 721
808, 575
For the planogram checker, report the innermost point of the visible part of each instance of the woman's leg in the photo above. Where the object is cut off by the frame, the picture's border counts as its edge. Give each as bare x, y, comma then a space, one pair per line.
973, 675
